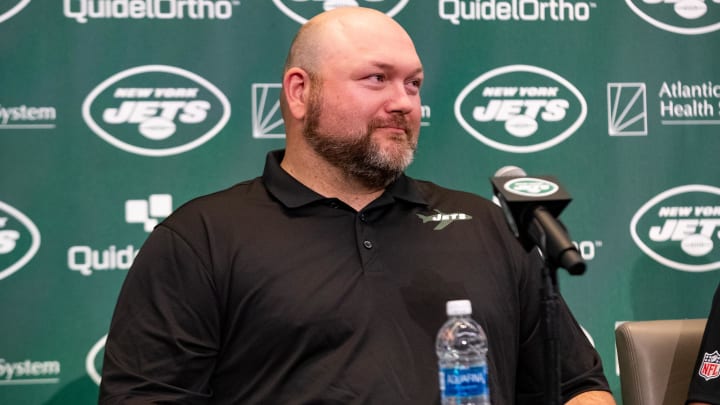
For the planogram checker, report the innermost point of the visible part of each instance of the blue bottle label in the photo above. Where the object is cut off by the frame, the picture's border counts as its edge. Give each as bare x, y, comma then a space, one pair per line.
463, 382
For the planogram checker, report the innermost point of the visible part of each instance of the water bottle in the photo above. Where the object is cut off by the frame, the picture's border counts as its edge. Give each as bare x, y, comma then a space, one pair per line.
461, 347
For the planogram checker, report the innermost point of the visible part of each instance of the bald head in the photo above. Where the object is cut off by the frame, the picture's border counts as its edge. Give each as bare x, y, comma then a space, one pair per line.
344, 27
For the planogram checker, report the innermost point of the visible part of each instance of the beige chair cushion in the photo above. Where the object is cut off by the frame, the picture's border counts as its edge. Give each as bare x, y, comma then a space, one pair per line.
657, 359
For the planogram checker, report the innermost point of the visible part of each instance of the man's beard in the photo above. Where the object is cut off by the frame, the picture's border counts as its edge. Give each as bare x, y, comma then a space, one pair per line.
355, 153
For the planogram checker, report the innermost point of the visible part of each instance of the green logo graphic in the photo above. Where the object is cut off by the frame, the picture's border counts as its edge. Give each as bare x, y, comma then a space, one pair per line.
19, 240
680, 228
156, 110
688, 17
10, 11
531, 187
520, 108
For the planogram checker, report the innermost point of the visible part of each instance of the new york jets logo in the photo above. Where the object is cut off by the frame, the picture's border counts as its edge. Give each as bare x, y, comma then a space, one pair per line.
19, 240
531, 187
156, 110
12, 10
93, 360
442, 219
520, 108
303, 10
688, 17
680, 228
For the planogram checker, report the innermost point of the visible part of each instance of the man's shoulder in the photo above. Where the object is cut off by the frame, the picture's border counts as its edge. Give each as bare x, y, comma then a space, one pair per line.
221, 205
435, 193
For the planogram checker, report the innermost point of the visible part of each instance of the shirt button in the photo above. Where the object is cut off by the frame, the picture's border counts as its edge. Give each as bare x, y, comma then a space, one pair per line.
334, 204
368, 244
363, 218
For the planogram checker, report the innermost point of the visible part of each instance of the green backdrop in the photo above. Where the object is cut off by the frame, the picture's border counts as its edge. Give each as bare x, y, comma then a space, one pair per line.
115, 112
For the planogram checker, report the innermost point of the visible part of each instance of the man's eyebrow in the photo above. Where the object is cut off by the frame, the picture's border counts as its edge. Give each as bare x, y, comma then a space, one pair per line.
387, 66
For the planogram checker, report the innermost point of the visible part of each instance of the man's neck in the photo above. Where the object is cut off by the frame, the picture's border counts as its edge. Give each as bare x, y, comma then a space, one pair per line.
329, 181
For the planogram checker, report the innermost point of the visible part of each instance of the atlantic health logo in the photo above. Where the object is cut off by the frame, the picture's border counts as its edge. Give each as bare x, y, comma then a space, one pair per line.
520, 108
303, 10
19, 240
29, 372
688, 17
627, 109
156, 110
267, 122
7, 12
680, 228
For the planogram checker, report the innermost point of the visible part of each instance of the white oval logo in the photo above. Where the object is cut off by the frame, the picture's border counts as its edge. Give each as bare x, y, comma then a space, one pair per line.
521, 126
531, 187
92, 358
520, 108
691, 9
680, 228
687, 17
303, 10
13, 10
156, 110
19, 240
697, 245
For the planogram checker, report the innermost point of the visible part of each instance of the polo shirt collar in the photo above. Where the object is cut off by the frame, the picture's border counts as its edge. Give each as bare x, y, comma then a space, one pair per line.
294, 194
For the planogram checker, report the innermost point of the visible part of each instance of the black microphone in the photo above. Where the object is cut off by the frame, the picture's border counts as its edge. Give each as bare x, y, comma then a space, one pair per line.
531, 206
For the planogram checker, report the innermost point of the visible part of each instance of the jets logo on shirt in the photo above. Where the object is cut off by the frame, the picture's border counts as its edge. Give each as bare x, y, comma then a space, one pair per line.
443, 219
710, 366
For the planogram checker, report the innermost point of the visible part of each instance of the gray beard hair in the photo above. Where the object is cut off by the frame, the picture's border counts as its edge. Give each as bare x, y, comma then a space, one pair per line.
358, 157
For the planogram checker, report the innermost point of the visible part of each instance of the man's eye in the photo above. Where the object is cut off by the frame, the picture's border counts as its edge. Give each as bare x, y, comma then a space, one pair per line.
377, 77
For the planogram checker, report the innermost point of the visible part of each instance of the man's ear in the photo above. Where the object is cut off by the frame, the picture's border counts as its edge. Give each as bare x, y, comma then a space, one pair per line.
296, 88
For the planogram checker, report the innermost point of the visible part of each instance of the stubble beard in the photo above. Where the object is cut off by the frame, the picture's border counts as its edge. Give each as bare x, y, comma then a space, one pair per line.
355, 153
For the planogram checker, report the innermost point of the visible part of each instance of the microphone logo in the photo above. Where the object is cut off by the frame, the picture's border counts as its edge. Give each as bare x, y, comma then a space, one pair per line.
531, 187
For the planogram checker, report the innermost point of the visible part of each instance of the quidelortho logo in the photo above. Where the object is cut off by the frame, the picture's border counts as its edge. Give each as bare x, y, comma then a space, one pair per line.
520, 108
148, 212
8, 11
457, 11
29, 372
689, 17
82, 10
680, 228
93, 360
267, 121
88, 260
303, 10
19, 240
156, 110
627, 109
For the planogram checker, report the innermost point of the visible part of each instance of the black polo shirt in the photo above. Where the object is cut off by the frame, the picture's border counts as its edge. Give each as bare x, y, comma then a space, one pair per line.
269, 293
705, 382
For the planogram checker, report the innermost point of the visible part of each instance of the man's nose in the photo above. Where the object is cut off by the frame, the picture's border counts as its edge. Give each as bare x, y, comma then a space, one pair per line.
400, 100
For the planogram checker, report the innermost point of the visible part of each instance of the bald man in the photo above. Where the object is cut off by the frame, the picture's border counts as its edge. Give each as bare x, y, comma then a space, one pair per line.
324, 280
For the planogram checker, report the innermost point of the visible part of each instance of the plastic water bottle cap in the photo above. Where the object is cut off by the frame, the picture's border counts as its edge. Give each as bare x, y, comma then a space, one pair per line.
458, 307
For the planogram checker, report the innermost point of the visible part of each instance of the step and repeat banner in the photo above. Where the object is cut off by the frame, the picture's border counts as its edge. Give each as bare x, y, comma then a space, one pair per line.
113, 113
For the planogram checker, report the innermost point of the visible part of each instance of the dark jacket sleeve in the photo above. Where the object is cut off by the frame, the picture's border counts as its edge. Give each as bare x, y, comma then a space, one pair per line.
163, 338
580, 365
